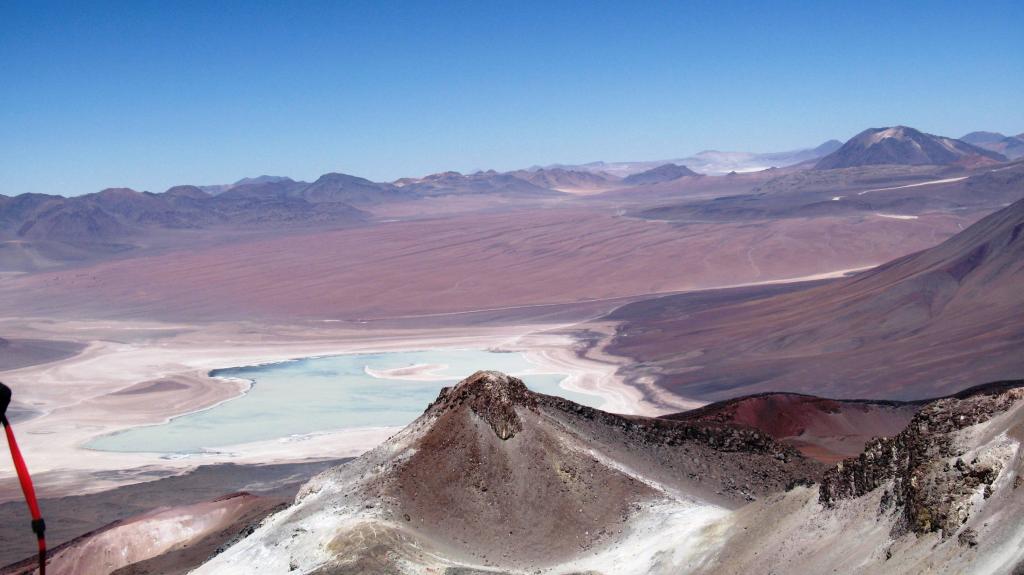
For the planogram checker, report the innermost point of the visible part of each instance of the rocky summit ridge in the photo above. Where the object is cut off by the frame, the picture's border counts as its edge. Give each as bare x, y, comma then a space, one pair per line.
491, 395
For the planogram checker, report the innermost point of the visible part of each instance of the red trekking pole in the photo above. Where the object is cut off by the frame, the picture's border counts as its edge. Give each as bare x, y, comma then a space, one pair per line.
38, 526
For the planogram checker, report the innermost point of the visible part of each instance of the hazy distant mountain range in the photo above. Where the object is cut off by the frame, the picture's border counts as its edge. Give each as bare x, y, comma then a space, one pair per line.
480, 183
58, 226
562, 179
713, 162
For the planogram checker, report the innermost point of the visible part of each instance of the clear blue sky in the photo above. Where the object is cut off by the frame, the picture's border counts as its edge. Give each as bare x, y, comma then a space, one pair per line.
149, 94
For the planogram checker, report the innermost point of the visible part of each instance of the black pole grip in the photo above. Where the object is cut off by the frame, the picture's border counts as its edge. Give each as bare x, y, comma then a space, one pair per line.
39, 527
5, 399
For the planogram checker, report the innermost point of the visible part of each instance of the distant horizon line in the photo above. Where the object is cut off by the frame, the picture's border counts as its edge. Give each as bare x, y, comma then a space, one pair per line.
532, 167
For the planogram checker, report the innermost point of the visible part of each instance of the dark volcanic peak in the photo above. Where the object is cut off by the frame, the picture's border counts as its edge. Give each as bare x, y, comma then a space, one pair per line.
194, 192
663, 173
266, 190
828, 147
117, 193
978, 138
491, 395
495, 475
905, 146
262, 180
215, 189
335, 187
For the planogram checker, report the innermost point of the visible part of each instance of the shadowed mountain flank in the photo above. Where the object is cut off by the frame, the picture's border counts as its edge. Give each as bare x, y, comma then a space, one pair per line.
72, 518
169, 541
665, 173
568, 180
120, 218
920, 326
18, 353
1010, 146
351, 190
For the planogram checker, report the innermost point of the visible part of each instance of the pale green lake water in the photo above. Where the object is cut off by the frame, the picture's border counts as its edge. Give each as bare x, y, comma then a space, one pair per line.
322, 394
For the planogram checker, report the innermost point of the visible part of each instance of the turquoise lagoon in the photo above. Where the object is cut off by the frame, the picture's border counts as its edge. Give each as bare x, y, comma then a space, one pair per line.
317, 394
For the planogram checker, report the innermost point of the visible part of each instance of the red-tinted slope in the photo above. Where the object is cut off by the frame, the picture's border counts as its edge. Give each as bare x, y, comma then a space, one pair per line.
828, 430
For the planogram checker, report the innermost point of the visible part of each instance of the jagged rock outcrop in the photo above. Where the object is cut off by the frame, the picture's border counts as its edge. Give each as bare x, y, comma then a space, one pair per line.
927, 474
